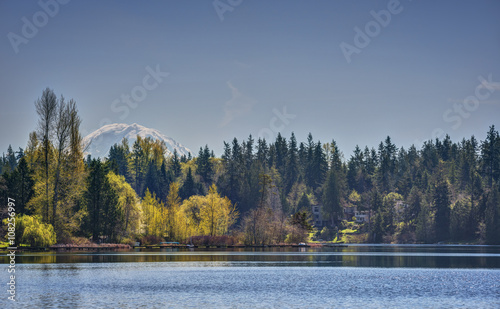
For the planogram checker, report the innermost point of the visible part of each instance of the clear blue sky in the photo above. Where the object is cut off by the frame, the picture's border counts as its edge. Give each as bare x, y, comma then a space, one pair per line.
227, 75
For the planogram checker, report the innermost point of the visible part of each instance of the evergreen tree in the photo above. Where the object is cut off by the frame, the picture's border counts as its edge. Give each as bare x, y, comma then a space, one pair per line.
490, 151
441, 199
320, 166
304, 203
176, 165
204, 166
292, 169
262, 152
424, 230
492, 217
101, 201
11, 158
152, 181
281, 154
118, 158
138, 166
20, 185
378, 227
331, 196
188, 188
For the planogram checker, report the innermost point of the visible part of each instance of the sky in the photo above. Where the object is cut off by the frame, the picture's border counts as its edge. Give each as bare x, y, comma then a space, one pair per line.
204, 72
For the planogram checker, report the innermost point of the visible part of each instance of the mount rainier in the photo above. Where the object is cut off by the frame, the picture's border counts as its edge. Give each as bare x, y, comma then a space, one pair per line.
101, 140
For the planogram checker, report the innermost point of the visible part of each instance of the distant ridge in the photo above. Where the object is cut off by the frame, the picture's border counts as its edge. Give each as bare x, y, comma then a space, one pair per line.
101, 140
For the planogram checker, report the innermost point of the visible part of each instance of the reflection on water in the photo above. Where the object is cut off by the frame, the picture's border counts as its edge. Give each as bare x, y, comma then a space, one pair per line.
353, 256
361, 276
239, 285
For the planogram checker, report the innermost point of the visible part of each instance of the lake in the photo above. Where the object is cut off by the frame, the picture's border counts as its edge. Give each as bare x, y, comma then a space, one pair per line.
373, 276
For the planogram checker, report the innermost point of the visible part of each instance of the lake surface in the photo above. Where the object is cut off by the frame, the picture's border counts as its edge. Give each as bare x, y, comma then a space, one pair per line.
352, 277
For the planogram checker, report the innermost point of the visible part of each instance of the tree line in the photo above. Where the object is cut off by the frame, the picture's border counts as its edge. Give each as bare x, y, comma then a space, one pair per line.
256, 192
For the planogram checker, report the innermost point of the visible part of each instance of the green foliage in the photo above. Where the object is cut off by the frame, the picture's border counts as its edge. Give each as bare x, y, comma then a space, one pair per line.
32, 231
331, 196
492, 217
459, 220
302, 219
103, 216
129, 214
443, 191
441, 201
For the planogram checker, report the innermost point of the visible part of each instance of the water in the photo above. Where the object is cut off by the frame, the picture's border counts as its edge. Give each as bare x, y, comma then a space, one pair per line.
353, 277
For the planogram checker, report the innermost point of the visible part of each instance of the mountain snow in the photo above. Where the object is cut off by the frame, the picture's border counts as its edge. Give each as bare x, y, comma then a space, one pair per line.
100, 141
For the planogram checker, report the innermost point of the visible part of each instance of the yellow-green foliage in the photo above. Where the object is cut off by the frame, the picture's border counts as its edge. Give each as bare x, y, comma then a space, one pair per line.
207, 215
217, 214
154, 213
128, 204
30, 230
210, 215
172, 213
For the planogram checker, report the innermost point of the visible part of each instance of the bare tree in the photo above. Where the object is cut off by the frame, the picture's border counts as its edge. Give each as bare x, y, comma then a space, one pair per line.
63, 131
46, 108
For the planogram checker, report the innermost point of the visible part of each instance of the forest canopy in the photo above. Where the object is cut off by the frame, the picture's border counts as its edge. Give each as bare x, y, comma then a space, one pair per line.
257, 192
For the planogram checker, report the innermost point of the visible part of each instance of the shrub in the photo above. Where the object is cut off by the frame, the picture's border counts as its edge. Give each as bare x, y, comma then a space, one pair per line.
31, 230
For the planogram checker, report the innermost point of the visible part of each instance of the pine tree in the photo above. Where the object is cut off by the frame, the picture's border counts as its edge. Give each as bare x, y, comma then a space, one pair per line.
188, 188
490, 152
203, 165
176, 165
441, 199
492, 217
20, 185
292, 169
11, 158
424, 230
118, 158
281, 154
331, 196
304, 203
101, 201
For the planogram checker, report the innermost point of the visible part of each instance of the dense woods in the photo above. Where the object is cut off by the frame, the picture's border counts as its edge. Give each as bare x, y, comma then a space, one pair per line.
257, 192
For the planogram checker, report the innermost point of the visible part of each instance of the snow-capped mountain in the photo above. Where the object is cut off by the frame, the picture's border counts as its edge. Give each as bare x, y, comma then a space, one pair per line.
100, 141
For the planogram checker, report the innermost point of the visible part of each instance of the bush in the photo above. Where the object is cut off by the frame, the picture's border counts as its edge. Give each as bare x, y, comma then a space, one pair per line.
296, 235
326, 234
31, 230
128, 241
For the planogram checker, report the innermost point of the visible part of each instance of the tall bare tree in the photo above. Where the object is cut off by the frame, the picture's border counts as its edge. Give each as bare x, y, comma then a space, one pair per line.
46, 108
63, 131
